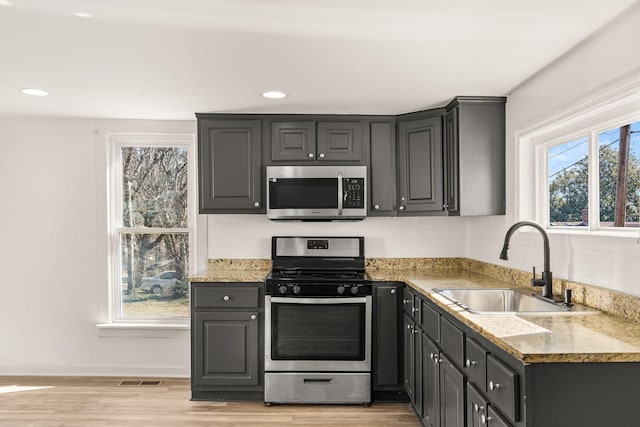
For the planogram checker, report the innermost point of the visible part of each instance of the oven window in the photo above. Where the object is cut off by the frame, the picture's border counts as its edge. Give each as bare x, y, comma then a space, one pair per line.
317, 331
303, 193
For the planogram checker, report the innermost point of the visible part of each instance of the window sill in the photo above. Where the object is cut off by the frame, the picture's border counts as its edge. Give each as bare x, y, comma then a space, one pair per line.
626, 235
140, 330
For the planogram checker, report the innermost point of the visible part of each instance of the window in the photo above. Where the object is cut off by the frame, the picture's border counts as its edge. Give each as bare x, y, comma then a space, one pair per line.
585, 173
151, 227
615, 172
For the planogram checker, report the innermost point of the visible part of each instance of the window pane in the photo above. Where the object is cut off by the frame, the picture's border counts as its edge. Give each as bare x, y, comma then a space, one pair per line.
153, 276
568, 183
619, 154
154, 187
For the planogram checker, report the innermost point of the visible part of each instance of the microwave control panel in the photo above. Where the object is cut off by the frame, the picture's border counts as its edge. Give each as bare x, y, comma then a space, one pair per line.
353, 193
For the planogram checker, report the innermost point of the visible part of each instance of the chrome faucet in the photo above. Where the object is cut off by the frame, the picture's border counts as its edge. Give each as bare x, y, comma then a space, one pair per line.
545, 281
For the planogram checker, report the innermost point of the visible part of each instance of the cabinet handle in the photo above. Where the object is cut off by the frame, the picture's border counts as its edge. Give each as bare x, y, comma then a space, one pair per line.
256, 204
321, 155
311, 155
254, 317
226, 297
402, 208
393, 291
494, 386
471, 363
376, 207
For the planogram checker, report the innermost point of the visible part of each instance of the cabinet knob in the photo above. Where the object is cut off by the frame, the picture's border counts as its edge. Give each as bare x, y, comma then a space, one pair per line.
406, 301
256, 204
402, 208
311, 155
393, 291
484, 419
414, 309
254, 317
376, 207
494, 386
471, 363
409, 327
321, 155
226, 297
478, 408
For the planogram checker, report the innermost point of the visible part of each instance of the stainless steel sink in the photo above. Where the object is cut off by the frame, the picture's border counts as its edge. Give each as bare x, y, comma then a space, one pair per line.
504, 301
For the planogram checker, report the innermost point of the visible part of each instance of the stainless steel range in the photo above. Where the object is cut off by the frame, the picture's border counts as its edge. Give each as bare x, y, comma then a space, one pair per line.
318, 322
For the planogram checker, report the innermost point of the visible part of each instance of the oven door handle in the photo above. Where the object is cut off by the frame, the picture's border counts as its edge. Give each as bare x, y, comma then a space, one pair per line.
337, 300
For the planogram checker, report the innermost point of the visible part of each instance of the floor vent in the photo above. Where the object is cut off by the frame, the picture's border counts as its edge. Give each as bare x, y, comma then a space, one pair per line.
140, 383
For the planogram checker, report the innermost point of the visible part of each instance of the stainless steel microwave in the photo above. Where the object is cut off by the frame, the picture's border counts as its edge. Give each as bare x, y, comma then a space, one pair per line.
316, 192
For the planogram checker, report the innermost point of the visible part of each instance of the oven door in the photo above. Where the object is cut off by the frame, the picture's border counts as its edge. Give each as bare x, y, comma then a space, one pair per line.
318, 334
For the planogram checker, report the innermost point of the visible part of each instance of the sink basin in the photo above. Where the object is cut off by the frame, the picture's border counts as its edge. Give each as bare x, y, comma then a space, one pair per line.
503, 301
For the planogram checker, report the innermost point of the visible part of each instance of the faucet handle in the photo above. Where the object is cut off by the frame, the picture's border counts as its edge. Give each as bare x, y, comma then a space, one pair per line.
534, 272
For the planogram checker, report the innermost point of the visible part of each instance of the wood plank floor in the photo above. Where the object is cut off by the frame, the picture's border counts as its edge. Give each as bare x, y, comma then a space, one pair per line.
103, 401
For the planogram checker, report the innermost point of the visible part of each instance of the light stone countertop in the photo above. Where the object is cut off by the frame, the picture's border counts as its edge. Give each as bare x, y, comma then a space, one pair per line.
565, 337
529, 338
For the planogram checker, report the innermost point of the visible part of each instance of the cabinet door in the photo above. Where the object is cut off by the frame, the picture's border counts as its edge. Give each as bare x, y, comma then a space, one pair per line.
452, 394
385, 370
430, 383
382, 172
476, 408
451, 162
229, 162
226, 346
409, 358
420, 166
293, 140
339, 141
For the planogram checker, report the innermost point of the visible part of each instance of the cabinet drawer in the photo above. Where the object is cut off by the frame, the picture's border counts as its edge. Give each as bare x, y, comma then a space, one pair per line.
502, 387
452, 341
411, 304
226, 297
431, 322
476, 364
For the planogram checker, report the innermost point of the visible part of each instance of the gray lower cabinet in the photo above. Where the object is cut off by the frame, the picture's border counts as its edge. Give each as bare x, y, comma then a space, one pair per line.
474, 156
466, 380
386, 377
229, 165
226, 341
420, 173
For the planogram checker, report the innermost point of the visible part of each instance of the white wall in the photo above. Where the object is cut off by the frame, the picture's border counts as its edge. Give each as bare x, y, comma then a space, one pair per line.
598, 64
249, 236
53, 254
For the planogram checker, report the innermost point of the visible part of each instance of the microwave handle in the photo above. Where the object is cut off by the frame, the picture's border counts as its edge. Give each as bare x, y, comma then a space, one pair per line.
340, 193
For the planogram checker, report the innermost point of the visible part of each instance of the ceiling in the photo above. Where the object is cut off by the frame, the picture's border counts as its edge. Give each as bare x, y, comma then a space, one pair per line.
167, 59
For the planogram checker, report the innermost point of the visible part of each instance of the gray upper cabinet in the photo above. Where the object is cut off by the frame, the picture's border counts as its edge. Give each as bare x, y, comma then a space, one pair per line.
420, 165
382, 169
229, 159
315, 140
474, 156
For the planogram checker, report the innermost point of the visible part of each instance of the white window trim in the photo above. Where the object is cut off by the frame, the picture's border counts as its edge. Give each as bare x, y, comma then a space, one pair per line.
147, 327
612, 108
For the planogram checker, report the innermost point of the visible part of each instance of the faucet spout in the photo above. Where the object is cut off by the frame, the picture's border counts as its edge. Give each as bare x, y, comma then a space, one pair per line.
546, 281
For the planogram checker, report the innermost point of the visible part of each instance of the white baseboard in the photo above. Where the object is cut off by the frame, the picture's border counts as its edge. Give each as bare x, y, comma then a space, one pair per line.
98, 371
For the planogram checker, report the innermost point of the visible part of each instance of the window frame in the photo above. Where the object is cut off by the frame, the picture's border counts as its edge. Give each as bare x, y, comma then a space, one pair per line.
616, 107
115, 142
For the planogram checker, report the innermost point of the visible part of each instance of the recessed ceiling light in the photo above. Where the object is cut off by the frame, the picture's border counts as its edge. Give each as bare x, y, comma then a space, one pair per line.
34, 92
274, 94
83, 15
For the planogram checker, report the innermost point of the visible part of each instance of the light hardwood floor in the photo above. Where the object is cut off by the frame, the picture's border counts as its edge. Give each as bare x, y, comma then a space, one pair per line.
103, 401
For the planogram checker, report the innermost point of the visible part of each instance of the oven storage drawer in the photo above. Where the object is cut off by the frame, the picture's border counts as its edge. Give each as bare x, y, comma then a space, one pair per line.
327, 387
226, 297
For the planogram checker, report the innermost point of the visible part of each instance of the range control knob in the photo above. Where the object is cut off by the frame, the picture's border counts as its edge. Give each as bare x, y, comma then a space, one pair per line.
340, 290
296, 289
354, 290
283, 289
